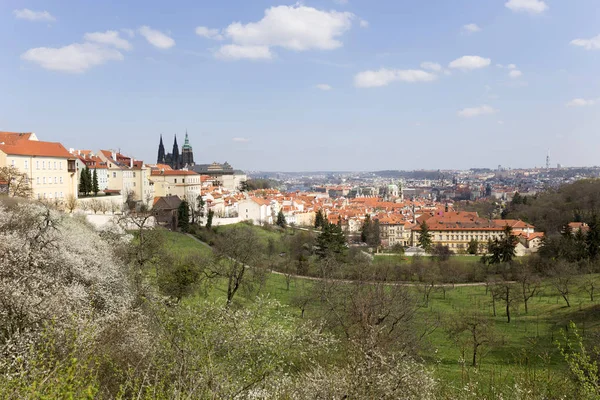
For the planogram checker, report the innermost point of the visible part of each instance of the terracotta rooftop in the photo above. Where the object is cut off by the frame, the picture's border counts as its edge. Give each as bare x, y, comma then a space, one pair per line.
36, 148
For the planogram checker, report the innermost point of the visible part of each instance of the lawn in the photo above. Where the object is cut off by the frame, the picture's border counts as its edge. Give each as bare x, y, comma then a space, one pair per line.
398, 258
526, 345
182, 245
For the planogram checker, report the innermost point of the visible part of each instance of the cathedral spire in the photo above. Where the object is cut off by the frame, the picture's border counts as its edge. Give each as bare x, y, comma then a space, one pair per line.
161, 152
175, 160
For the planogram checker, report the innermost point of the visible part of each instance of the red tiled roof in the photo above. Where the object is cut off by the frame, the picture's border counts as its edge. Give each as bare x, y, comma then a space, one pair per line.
173, 172
13, 137
36, 148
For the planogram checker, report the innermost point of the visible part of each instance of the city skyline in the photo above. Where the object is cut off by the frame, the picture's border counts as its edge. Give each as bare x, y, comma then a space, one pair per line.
354, 86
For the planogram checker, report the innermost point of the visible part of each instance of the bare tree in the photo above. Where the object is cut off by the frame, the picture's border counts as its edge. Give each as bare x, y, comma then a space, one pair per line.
237, 249
562, 274
529, 281
474, 330
95, 205
71, 203
589, 285
17, 183
507, 293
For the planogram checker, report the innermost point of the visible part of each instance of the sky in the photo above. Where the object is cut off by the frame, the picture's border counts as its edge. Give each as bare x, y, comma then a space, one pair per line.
354, 85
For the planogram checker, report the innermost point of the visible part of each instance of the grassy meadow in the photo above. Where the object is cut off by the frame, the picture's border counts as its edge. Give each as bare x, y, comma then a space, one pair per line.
526, 345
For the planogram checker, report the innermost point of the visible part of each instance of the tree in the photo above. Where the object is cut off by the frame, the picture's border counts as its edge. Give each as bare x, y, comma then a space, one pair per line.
281, 222
442, 252
592, 238
331, 241
71, 203
529, 281
501, 250
425, 239
472, 329
95, 188
370, 233
178, 278
237, 249
505, 291
17, 183
183, 216
589, 285
95, 205
473, 247
562, 274
319, 219
85, 181
209, 219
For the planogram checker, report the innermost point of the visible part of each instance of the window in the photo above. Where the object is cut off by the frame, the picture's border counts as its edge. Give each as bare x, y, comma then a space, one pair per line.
134, 184
26, 164
61, 195
175, 180
13, 163
37, 180
114, 174
54, 164
134, 174
44, 166
61, 179
60, 164
55, 180
37, 164
44, 183
56, 195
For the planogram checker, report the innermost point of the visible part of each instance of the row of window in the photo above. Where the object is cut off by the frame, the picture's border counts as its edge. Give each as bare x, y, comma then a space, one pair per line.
57, 195
49, 180
467, 237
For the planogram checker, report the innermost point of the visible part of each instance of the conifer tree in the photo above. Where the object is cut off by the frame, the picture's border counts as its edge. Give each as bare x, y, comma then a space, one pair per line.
183, 216
319, 219
85, 181
425, 237
95, 187
281, 219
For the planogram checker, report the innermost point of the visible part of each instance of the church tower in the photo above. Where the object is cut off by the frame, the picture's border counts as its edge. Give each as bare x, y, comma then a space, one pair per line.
187, 155
175, 159
161, 152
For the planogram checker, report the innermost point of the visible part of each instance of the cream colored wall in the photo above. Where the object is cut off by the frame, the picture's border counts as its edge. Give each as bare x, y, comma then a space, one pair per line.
174, 185
49, 176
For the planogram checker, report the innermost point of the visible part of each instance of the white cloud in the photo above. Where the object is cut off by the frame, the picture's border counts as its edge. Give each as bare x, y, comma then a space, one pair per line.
323, 86
529, 6
476, 111
296, 28
431, 66
74, 58
384, 77
240, 139
581, 103
341, 2
236, 52
156, 38
111, 38
515, 73
208, 33
31, 15
511, 66
129, 32
471, 28
588, 44
470, 62
364, 24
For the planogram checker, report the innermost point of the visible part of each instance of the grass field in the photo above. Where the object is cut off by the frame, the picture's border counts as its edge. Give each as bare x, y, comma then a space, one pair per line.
382, 258
526, 345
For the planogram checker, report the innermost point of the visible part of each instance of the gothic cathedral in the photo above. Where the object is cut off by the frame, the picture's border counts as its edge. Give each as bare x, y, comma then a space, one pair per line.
174, 159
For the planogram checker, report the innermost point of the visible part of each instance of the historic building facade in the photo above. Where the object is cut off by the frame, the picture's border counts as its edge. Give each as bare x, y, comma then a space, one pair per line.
175, 159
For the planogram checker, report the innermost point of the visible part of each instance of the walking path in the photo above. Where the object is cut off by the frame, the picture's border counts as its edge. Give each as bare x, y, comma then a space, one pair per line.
313, 278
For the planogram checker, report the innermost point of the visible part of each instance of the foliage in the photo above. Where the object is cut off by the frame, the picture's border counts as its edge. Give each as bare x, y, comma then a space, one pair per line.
183, 216
85, 181
95, 188
425, 239
583, 368
18, 183
209, 219
501, 250
331, 241
320, 219
370, 233
473, 247
281, 222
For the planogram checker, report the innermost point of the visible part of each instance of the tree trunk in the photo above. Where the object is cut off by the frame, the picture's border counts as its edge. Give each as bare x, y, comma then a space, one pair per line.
566, 297
475, 346
494, 304
525, 298
508, 305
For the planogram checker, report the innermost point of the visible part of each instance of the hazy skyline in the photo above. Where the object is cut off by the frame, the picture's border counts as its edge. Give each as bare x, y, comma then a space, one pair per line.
313, 85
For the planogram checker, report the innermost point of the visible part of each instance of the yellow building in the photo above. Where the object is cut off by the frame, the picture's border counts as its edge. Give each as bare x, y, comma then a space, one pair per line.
169, 182
49, 167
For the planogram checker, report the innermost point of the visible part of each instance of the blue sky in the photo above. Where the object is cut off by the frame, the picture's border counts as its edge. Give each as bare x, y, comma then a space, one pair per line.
314, 85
